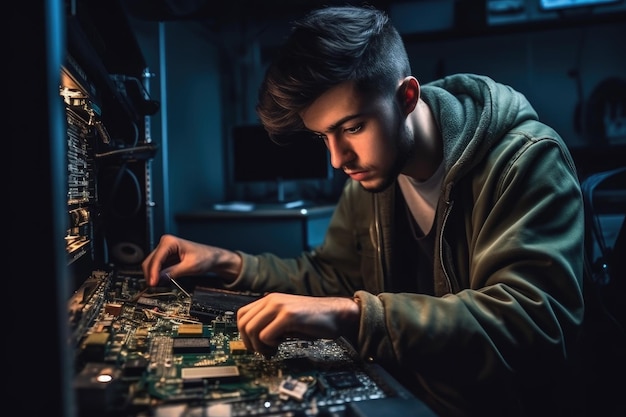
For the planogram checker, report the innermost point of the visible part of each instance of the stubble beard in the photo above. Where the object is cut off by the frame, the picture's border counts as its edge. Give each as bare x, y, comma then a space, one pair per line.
405, 148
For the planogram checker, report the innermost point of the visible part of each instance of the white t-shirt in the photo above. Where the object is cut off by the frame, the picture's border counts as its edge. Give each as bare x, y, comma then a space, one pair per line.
422, 196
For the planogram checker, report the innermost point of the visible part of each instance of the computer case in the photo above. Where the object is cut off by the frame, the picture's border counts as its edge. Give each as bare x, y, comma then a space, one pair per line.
78, 113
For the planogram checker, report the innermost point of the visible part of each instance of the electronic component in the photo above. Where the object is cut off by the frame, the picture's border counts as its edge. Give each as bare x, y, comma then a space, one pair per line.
237, 347
208, 304
210, 372
190, 329
191, 345
293, 388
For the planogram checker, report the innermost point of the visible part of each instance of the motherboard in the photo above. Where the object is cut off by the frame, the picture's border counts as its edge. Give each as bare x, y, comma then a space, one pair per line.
168, 352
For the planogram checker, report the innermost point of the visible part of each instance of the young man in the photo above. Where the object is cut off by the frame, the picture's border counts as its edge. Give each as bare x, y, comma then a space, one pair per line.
454, 257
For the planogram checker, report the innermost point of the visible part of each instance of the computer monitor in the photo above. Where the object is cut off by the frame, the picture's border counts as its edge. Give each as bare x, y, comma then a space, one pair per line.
256, 158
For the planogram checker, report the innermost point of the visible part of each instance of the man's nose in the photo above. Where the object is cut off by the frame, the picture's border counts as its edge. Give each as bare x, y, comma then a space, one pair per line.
340, 152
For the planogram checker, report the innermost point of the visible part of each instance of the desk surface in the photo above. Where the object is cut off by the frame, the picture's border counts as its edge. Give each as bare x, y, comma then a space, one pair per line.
259, 211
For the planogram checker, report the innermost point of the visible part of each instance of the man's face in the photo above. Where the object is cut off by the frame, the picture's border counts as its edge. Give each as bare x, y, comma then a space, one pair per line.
366, 137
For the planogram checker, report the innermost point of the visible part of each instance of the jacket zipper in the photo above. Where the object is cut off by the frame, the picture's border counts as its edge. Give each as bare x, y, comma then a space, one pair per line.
379, 253
449, 205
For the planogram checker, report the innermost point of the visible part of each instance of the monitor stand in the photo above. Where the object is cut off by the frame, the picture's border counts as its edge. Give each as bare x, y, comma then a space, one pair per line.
280, 202
277, 203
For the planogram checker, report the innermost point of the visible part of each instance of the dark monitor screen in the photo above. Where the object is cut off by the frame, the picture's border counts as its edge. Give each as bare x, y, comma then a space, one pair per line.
255, 157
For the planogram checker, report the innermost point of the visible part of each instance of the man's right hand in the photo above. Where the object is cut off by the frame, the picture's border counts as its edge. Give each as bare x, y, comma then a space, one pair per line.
177, 257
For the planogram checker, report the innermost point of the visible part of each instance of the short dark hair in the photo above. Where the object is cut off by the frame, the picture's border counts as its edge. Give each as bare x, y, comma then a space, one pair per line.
325, 48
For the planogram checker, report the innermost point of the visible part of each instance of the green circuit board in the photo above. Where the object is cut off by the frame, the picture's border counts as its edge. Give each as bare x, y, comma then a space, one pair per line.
139, 351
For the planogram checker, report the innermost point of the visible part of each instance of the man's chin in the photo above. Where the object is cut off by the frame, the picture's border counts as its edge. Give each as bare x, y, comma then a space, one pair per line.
375, 186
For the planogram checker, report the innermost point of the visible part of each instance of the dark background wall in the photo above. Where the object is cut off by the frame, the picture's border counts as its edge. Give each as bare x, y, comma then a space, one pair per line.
207, 70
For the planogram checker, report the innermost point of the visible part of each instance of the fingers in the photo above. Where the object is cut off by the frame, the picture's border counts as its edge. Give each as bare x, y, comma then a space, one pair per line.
151, 269
153, 263
265, 323
258, 328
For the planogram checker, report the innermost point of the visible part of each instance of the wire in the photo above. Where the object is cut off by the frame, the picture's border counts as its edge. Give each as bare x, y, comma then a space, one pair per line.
123, 169
125, 151
177, 284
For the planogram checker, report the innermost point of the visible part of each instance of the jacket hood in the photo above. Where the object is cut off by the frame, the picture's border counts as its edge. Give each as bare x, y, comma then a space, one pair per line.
474, 112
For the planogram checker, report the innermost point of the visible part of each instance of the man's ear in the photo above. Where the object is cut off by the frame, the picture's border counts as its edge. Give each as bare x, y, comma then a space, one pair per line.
408, 94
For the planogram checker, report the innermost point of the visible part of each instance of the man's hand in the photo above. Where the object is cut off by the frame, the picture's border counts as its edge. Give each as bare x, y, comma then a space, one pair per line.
264, 323
176, 257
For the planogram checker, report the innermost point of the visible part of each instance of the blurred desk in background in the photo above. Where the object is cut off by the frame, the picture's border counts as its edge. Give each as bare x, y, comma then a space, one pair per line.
285, 232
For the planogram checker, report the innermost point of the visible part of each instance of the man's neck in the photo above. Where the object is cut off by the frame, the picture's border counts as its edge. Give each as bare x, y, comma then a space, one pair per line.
428, 143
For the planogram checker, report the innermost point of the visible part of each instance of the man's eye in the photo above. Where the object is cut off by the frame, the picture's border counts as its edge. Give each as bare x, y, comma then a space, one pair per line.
354, 129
